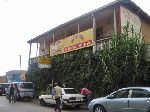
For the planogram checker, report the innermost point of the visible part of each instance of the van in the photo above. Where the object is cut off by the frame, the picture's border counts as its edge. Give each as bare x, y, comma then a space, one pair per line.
25, 90
2, 88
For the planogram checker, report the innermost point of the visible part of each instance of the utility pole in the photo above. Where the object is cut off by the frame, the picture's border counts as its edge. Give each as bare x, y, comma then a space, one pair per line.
20, 61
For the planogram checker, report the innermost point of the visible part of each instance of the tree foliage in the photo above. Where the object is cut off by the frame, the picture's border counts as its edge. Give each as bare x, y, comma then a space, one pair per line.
121, 63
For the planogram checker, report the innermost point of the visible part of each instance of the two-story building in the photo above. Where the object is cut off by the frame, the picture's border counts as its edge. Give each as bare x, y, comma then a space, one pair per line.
92, 29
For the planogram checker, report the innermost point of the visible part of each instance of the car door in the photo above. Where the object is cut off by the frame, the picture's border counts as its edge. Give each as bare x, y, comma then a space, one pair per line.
49, 99
119, 101
139, 101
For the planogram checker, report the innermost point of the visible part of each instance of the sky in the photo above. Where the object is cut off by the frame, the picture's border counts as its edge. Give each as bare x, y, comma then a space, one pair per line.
22, 20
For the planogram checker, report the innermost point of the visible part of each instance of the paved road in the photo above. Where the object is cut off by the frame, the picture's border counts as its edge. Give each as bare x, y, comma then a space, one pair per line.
31, 106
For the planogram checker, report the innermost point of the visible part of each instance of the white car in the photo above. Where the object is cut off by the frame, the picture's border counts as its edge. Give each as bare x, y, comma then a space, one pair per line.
70, 97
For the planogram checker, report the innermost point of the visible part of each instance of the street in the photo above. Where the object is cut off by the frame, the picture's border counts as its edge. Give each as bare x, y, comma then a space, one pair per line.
31, 106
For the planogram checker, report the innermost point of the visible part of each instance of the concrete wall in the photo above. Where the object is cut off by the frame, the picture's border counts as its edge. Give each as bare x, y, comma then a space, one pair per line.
146, 31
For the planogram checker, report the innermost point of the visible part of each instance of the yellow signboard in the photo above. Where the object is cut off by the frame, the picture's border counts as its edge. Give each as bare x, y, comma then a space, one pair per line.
78, 41
71, 43
44, 62
55, 48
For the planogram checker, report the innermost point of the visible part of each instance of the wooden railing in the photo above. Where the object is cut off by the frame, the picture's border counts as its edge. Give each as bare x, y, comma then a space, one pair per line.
100, 43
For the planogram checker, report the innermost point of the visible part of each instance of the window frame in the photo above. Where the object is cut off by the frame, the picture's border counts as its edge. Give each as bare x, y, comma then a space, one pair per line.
127, 90
136, 90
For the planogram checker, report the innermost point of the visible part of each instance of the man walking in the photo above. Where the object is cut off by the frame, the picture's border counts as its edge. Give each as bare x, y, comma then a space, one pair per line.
58, 96
11, 93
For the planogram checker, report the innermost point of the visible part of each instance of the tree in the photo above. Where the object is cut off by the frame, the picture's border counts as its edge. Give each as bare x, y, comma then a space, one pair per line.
121, 63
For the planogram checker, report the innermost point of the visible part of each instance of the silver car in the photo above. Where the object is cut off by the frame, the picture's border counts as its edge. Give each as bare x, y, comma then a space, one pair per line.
131, 99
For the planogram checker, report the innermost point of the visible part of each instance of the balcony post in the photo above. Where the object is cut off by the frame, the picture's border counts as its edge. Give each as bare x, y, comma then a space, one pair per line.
115, 26
29, 55
53, 37
65, 32
37, 48
78, 28
94, 33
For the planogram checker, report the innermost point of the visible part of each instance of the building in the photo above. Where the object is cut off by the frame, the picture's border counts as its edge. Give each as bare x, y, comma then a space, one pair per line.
3, 79
15, 76
92, 29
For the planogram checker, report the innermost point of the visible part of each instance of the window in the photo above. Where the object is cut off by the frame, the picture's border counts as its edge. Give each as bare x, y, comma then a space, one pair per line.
13, 77
26, 85
121, 94
139, 93
99, 33
70, 91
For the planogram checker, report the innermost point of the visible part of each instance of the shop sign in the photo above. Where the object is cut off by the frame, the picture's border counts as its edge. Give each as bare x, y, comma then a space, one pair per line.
71, 43
44, 62
55, 48
78, 41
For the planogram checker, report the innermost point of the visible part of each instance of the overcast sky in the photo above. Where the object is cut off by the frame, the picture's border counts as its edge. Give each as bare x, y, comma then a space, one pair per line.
22, 20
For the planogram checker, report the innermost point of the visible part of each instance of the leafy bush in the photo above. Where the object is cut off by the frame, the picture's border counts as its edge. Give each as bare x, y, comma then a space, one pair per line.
120, 64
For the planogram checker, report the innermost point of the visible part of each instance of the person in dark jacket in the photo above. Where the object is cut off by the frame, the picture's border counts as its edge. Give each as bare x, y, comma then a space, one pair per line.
11, 93
15, 92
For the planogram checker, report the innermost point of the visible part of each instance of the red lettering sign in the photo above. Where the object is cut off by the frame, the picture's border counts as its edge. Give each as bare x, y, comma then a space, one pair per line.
78, 46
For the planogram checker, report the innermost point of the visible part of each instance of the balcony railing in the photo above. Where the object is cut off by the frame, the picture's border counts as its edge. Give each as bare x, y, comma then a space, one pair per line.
100, 43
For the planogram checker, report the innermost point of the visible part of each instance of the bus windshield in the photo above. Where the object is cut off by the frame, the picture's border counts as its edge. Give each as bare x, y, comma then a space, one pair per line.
27, 85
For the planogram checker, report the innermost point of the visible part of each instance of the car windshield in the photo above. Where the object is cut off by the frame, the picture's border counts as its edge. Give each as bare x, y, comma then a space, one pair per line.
71, 91
27, 85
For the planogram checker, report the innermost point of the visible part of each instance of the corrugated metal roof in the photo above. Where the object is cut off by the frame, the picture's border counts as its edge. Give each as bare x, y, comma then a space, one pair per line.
127, 3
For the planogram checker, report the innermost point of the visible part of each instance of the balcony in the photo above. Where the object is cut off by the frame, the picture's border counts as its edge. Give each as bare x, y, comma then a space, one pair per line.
102, 40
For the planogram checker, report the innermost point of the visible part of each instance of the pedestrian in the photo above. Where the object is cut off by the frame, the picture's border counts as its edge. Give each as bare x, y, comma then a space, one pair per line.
88, 93
57, 94
11, 93
15, 92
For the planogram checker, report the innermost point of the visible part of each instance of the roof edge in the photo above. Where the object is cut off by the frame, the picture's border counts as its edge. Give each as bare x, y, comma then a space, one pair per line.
124, 2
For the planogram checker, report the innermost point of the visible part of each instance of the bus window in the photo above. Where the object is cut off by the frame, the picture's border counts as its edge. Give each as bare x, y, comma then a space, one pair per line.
26, 85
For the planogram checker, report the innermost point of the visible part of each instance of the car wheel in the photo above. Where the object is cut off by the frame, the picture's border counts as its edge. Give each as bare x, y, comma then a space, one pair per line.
19, 98
99, 108
42, 102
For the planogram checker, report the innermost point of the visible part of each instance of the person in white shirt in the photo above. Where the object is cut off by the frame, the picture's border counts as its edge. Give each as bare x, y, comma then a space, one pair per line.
57, 95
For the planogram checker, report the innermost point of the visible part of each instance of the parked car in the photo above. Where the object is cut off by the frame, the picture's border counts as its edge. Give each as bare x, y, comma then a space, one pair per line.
70, 97
131, 99
26, 90
2, 88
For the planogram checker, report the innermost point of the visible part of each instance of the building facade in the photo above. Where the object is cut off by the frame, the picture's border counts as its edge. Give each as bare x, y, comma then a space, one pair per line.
15, 76
92, 29
3, 79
